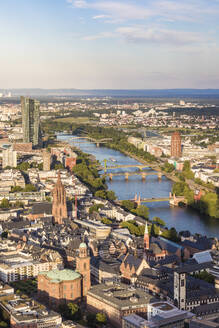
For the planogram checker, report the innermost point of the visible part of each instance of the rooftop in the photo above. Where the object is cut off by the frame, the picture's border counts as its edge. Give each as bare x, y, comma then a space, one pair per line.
121, 296
57, 276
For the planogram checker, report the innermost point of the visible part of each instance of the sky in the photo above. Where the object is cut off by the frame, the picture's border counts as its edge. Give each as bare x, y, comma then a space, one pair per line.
109, 44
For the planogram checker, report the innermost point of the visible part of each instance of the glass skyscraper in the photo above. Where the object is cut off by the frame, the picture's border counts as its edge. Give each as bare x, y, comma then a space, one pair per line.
31, 120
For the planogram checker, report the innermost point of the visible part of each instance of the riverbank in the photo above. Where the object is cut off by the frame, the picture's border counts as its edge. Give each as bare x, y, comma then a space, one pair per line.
180, 218
206, 205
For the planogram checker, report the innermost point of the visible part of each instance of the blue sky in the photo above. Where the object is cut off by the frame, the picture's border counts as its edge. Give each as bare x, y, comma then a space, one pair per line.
116, 44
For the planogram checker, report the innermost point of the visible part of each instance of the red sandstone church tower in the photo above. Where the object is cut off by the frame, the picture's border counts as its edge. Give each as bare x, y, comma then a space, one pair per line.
59, 205
83, 267
146, 238
176, 145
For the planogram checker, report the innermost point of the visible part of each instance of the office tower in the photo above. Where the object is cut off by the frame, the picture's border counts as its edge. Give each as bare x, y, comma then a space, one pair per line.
176, 145
9, 158
46, 160
59, 205
30, 120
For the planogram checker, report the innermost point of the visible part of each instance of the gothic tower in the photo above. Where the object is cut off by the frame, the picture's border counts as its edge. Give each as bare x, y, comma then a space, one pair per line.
180, 289
59, 205
146, 238
83, 267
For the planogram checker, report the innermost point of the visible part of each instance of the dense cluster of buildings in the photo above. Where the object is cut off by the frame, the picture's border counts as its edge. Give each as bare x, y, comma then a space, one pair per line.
77, 256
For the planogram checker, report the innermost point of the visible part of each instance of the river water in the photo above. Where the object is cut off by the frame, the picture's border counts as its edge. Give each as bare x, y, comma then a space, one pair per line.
180, 218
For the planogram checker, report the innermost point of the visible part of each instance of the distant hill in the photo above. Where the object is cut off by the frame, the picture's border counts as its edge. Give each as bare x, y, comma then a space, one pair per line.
148, 93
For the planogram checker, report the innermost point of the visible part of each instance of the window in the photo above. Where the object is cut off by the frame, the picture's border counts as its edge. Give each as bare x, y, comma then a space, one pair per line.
182, 283
85, 266
64, 287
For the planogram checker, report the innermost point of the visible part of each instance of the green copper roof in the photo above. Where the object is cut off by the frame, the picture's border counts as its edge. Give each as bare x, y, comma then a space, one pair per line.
60, 275
83, 245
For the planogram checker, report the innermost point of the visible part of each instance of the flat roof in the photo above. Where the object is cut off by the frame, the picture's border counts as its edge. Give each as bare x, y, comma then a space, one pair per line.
121, 296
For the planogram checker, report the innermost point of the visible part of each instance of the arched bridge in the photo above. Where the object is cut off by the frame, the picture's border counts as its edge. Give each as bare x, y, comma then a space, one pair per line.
143, 174
98, 142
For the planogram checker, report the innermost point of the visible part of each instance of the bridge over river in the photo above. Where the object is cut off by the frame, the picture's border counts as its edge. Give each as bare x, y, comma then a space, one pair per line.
98, 142
172, 199
143, 174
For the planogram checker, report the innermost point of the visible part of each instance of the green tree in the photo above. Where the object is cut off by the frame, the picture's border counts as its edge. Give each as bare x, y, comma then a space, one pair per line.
100, 194
171, 234
16, 189
159, 221
188, 174
210, 204
30, 188
110, 195
128, 205
106, 221
73, 310
178, 188
186, 166
101, 318
153, 233
142, 211
168, 167
58, 166
95, 208
5, 203
24, 166
204, 275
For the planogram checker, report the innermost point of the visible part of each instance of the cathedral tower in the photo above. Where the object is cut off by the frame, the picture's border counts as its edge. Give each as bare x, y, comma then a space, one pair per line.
59, 205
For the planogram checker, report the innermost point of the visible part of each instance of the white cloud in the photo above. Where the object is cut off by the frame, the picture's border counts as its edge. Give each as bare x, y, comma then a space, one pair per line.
158, 35
100, 16
171, 10
102, 35
79, 3
155, 35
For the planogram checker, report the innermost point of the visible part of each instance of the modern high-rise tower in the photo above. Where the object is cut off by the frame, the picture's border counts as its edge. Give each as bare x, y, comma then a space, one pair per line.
30, 120
176, 145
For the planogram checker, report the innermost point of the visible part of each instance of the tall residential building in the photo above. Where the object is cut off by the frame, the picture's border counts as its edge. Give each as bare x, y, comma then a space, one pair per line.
30, 120
59, 205
176, 145
9, 158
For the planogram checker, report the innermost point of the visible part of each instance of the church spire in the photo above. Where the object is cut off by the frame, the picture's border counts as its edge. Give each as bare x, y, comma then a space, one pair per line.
146, 237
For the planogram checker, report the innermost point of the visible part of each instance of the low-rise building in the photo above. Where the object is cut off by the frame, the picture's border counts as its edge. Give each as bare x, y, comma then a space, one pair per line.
117, 300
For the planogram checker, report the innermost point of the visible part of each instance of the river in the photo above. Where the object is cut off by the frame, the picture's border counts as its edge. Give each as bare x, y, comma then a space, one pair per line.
180, 218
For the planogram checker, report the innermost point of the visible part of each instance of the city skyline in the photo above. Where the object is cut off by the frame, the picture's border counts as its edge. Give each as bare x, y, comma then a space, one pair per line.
109, 44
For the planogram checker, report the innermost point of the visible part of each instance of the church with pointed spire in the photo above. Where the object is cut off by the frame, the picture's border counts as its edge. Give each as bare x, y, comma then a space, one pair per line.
59, 204
157, 248
146, 238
